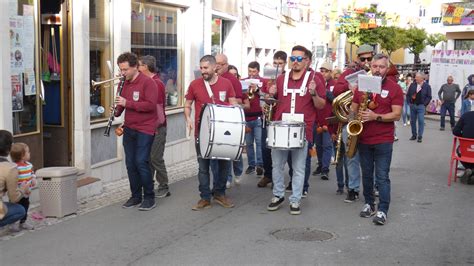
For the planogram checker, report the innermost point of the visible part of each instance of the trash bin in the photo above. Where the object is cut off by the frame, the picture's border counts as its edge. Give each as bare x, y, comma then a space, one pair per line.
58, 191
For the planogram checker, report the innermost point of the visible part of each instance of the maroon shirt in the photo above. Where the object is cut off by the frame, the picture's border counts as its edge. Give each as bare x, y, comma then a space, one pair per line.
222, 90
304, 104
326, 112
161, 104
255, 110
341, 84
142, 96
235, 84
375, 132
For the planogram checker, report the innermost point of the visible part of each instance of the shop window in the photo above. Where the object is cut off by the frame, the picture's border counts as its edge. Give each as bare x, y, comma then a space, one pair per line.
463, 44
101, 59
23, 60
155, 31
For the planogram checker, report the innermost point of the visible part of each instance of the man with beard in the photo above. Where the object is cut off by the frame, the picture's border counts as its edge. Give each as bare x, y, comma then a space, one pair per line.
297, 93
376, 140
139, 98
222, 93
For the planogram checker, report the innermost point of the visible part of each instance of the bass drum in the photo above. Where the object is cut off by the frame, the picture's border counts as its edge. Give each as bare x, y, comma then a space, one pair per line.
221, 132
282, 135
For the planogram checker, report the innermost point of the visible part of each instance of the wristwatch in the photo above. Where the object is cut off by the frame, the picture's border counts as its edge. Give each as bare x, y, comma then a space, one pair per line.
379, 118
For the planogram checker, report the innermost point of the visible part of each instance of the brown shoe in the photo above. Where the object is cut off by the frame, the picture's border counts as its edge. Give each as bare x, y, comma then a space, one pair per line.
223, 201
264, 181
202, 204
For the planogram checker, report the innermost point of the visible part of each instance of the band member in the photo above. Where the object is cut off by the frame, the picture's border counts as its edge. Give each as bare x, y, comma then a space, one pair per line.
199, 94
222, 69
279, 62
253, 118
300, 85
147, 66
364, 56
139, 98
376, 140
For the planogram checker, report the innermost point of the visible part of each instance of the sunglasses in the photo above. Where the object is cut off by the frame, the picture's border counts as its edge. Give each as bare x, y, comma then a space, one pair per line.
368, 59
298, 58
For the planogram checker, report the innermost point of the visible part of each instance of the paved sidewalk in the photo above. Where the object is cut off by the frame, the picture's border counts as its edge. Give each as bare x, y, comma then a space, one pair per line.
113, 192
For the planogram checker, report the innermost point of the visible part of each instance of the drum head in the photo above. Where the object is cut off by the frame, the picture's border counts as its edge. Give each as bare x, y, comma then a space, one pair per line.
205, 130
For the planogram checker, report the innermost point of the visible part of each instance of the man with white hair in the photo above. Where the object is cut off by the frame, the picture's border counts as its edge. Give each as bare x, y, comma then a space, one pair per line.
419, 96
448, 94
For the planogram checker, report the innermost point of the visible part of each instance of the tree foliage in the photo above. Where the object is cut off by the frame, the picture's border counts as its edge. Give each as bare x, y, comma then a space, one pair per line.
416, 42
391, 38
434, 39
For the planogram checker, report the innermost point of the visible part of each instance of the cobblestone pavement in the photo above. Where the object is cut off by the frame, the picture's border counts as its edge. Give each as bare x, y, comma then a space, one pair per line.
113, 192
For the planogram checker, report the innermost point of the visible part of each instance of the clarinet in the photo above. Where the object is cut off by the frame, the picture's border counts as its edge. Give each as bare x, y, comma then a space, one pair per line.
112, 114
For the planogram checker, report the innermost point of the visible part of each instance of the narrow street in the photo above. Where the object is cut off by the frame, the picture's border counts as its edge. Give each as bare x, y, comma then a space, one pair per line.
429, 223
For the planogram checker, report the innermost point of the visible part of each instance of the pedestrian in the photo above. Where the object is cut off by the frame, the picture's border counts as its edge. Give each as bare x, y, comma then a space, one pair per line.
279, 63
465, 128
419, 95
469, 86
10, 212
20, 154
222, 69
448, 94
468, 103
364, 56
406, 106
300, 84
253, 118
147, 66
376, 140
199, 95
139, 99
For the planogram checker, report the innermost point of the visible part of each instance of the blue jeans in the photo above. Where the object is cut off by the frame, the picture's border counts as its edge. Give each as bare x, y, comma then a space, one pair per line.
254, 135
341, 167
15, 213
220, 178
353, 167
238, 167
324, 149
376, 158
307, 169
405, 112
137, 148
279, 158
266, 155
450, 108
417, 112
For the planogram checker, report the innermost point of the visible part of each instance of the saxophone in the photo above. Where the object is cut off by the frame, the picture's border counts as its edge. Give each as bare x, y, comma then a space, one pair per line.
341, 106
355, 127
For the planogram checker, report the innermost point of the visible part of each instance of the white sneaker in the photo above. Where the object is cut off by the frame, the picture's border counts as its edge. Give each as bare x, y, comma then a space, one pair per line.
15, 227
228, 184
27, 226
408, 123
237, 180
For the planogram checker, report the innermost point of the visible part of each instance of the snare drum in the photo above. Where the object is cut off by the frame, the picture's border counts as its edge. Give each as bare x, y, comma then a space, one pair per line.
221, 132
283, 135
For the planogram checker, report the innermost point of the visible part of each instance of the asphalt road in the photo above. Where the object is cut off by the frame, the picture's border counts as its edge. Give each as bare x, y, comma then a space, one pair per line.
429, 223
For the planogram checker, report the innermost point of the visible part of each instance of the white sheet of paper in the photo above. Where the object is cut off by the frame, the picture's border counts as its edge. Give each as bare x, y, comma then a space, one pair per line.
288, 117
353, 78
370, 84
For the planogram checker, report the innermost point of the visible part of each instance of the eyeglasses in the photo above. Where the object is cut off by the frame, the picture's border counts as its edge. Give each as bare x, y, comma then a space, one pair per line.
298, 58
368, 59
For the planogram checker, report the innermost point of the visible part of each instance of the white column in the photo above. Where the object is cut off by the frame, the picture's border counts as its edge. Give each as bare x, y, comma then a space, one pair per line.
341, 51
5, 80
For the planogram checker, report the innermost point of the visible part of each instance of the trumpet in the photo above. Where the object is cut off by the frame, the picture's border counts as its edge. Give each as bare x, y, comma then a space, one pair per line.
99, 83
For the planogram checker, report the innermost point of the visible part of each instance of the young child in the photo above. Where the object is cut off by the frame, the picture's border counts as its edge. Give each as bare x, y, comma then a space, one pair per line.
468, 103
20, 154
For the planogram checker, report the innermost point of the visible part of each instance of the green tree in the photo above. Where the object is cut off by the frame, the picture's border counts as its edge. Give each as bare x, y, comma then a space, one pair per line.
391, 38
434, 39
355, 35
416, 42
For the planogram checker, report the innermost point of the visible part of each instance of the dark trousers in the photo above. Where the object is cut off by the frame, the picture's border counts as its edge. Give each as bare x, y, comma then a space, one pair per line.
156, 158
266, 155
137, 148
450, 108
25, 202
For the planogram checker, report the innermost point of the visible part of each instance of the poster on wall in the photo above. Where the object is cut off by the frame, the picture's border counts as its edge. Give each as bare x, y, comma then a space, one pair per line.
17, 92
29, 81
16, 49
457, 63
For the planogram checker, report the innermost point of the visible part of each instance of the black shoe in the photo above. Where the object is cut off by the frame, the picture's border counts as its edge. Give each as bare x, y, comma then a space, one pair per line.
249, 170
413, 137
275, 203
147, 204
295, 208
324, 176
131, 202
259, 170
289, 188
367, 211
441, 128
380, 218
419, 139
317, 171
339, 191
352, 196
162, 192
305, 194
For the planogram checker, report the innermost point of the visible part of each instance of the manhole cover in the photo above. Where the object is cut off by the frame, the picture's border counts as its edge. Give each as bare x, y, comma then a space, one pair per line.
302, 234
